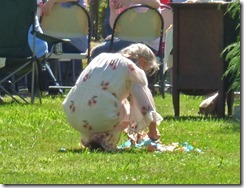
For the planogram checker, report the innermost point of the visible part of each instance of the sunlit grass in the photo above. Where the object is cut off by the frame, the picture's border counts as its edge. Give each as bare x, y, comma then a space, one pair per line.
32, 137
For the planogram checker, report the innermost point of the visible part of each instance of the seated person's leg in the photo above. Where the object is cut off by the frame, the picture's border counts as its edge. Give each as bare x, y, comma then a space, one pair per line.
1, 99
67, 67
41, 48
77, 45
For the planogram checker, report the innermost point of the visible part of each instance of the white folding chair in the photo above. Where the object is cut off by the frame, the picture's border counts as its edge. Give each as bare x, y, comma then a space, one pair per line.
167, 13
67, 20
141, 23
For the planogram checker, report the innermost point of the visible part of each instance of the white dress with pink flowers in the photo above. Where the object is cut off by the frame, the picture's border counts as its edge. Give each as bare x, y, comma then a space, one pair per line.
110, 90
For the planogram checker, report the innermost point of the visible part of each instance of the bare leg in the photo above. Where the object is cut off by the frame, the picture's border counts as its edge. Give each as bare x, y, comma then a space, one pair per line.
153, 131
123, 125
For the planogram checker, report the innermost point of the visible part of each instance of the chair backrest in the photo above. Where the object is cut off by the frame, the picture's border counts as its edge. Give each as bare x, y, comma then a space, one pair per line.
16, 17
66, 21
138, 23
167, 14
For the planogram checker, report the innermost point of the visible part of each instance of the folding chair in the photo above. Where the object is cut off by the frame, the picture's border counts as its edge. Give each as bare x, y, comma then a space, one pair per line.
16, 57
167, 14
67, 20
141, 23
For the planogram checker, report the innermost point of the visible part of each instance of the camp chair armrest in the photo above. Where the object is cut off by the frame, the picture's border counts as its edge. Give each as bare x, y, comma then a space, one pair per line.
49, 38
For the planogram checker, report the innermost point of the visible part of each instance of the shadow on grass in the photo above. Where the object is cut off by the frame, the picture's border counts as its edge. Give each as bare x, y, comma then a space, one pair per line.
233, 122
11, 102
86, 150
199, 118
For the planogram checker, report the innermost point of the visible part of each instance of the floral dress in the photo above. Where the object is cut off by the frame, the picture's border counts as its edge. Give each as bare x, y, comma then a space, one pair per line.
110, 90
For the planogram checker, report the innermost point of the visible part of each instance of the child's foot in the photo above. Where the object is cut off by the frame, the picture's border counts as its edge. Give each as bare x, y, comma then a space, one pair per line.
153, 137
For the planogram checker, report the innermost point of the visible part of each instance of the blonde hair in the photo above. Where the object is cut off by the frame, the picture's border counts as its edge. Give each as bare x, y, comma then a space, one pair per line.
138, 50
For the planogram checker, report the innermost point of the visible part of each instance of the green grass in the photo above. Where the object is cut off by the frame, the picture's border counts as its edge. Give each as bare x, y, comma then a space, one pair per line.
32, 135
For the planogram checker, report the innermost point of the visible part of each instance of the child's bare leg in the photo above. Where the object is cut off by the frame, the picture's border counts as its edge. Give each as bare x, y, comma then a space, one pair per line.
153, 131
124, 125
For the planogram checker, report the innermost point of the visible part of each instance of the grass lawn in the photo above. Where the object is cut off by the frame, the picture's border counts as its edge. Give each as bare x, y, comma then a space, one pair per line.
32, 135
